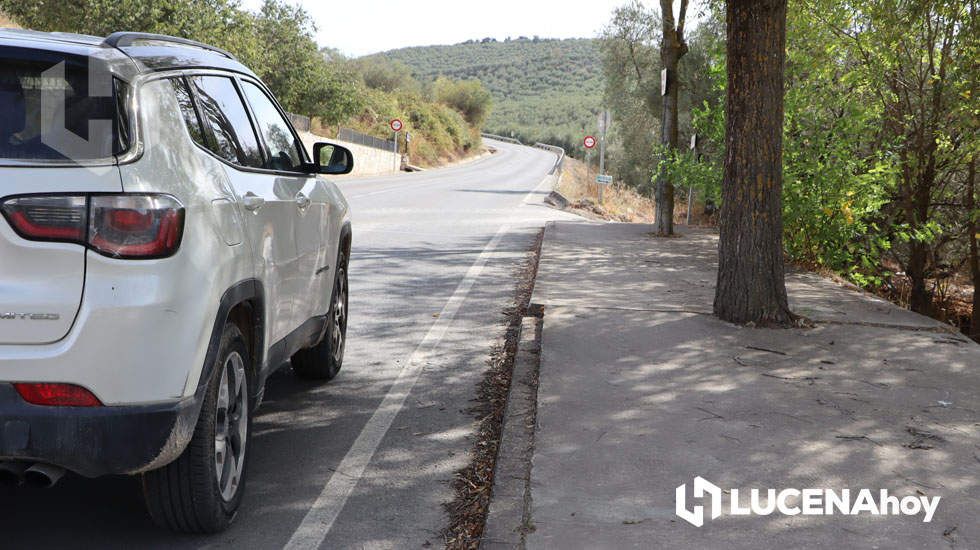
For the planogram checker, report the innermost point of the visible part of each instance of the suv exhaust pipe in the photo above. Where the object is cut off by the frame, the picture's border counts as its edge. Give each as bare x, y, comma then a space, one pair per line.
43, 476
12, 473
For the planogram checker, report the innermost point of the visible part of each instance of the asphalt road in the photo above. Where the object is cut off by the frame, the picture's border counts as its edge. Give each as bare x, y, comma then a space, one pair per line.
367, 460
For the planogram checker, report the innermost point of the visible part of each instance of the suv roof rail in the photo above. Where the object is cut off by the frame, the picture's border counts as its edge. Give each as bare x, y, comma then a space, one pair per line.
123, 39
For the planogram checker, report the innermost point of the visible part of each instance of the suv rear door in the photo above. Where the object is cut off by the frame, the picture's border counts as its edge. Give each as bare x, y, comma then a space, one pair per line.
268, 201
42, 144
312, 280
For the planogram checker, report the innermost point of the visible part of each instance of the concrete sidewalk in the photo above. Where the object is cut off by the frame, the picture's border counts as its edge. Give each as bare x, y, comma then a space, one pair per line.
641, 390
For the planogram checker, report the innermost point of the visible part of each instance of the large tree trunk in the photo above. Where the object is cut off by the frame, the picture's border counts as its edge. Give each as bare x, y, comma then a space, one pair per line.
672, 48
920, 298
751, 275
972, 229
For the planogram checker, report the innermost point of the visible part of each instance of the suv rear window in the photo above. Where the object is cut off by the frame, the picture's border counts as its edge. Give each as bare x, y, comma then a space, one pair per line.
224, 114
47, 111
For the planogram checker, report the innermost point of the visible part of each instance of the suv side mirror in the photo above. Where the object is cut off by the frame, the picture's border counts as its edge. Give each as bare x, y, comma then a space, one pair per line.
329, 158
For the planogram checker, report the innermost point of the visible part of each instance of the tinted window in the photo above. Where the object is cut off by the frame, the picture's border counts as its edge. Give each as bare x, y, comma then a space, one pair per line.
284, 152
47, 94
187, 110
224, 114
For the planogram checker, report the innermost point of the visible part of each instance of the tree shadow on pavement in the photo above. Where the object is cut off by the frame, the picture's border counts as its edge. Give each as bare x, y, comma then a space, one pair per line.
641, 390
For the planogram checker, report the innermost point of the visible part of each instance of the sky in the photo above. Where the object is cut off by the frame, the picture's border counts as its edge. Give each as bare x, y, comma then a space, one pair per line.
361, 27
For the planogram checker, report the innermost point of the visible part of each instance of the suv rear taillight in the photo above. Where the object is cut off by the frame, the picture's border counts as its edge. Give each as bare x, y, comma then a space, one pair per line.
48, 218
56, 395
131, 226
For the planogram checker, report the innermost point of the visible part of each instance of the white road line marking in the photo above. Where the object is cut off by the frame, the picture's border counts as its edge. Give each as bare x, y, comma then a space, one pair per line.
328, 505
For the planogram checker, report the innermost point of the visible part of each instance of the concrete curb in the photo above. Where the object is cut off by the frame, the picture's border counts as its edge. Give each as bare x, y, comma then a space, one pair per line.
508, 516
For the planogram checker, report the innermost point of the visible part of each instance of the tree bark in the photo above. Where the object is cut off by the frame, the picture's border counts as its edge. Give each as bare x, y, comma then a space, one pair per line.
751, 274
672, 48
920, 298
923, 142
972, 229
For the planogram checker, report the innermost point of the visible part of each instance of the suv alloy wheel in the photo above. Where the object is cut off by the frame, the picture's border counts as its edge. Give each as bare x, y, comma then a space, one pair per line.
201, 491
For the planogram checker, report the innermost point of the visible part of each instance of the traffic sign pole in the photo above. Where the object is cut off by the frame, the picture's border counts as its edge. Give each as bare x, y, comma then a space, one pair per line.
588, 165
602, 148
589, 143
396, 126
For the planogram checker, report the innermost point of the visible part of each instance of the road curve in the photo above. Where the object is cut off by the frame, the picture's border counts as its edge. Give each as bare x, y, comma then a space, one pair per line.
367, 460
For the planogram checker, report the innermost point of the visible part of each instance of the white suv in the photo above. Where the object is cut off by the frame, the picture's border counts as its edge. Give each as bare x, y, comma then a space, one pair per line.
165, 244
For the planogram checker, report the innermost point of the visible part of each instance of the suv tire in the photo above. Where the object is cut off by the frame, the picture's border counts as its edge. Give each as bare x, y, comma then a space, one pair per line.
201, 490
323, 361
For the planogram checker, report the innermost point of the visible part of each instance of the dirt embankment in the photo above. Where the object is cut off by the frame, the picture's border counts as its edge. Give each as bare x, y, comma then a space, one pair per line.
620, 203
6, 22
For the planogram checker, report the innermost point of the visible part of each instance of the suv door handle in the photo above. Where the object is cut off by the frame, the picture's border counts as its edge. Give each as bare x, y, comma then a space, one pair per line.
302, 201
252, 202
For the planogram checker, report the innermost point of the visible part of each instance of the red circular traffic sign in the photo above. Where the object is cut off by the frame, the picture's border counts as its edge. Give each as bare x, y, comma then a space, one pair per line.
396, 125
589, 142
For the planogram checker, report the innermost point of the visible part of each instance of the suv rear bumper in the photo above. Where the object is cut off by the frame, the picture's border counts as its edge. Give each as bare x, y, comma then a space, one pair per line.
95, 441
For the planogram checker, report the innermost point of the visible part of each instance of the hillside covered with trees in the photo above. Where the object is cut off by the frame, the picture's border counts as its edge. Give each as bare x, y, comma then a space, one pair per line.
542, 89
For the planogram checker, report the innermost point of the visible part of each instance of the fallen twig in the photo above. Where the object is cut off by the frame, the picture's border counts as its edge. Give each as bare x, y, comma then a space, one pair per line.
856, 438
756, 348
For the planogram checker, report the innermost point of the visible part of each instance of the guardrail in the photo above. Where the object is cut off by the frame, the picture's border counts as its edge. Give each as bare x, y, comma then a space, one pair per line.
553, 148
502, 138
346, 134
556, 150
300, 122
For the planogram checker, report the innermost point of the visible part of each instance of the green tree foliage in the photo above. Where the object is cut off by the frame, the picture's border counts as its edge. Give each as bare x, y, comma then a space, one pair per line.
382, 74
276, 42
630, 48
469, 97
542, 90
630, 61
101, 17
284, 54
439, 132
917, 59
881, 123
836, 181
